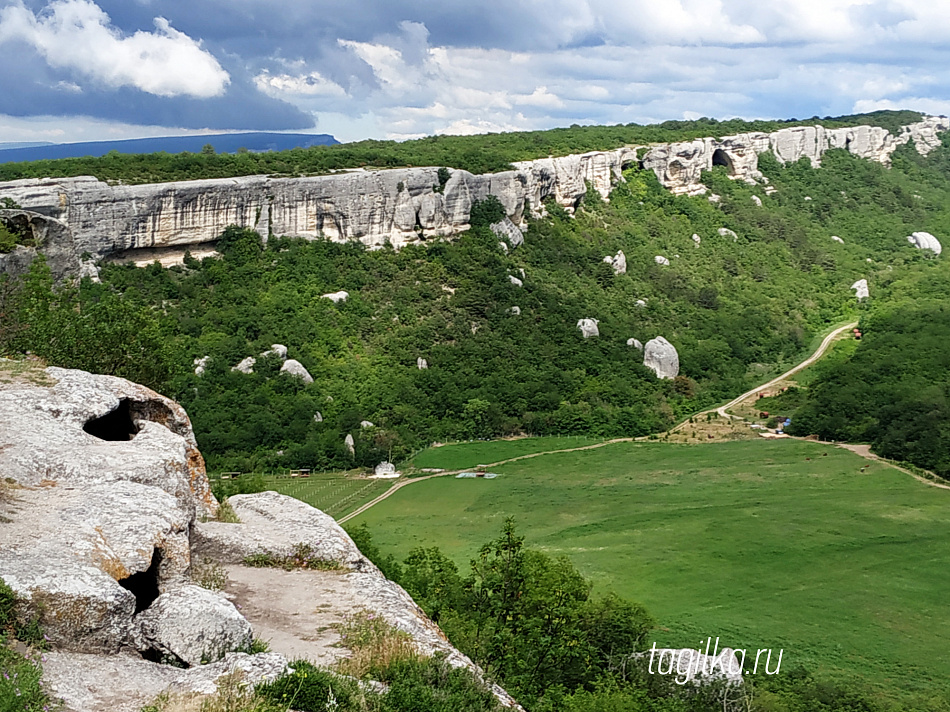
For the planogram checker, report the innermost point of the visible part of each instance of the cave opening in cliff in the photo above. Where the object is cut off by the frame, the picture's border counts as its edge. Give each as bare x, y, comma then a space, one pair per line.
144, 584
116, 425
721, 158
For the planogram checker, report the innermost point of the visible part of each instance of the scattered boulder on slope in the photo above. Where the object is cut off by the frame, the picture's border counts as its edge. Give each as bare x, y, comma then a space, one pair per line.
337, 297
837, 239
661, 357
192, 625
318, 417
618, 262
421, 363
507, 230
757, 200
349, 444
514, 310
515, 281
588, 327
367, 424
278, 350
726, 232
925, 241
296, 369
635, 344
385, 471
697, 239
246, 365
201, 365
661, 260
861, 289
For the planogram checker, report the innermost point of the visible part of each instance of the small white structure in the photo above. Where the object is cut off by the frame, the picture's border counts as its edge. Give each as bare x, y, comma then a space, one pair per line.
366, 424
318, 417
726, 232
635, 343
384, 471
278, 350
757, 200
697, 239
588, 327
925, 241
837, 239
641, 303
713, 198
350, 445
515, 310
422, 364
515, 281
337, 297
618, 262
661, 260
246, 366
861, 289
201, 364
297, 370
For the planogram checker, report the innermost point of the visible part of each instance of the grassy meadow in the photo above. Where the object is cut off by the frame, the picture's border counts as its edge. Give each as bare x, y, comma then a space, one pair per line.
780, 544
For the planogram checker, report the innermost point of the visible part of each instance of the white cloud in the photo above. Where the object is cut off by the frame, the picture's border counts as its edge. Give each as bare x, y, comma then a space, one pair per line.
934, 107
77, 35
311, 83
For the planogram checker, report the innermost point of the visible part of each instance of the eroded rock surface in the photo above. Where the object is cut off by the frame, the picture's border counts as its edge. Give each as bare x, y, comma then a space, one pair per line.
294, 368
661, 357
925, 241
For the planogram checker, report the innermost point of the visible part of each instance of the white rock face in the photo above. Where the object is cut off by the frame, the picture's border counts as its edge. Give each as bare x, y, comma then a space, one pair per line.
385, 471
635, 343
201, 365
837, 239
422, 364
726, 232
296, 369
618, 262
588, 327
515, 310
661, 260
507, 230
925, 241
337, 297
246, 366
861, 289
366, 424
697, 239
193, 625
278, 350
661, 357
88, 268
349, 444
515, 281
318, 417
757, 200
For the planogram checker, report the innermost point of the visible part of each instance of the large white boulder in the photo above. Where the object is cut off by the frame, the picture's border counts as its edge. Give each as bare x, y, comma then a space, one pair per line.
507, 230
278, 350
349, 444
726, 232
337, 297
515, 281
588, 327
192, 625
421, 363
296, 369
757, 200
661, 260
635, 343
201, 365
246, 365
661, 357
861, 289
618, 262
925, 241
837, 239
385, 471
697, 239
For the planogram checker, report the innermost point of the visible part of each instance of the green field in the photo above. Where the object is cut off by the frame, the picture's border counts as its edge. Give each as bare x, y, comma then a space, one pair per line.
781, 544
463, 455
337, 495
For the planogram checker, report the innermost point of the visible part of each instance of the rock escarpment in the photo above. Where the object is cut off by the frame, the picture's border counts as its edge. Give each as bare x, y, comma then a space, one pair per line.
405, 206
107, 520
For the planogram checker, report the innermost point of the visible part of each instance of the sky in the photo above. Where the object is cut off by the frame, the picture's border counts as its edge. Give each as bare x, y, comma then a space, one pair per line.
78, 70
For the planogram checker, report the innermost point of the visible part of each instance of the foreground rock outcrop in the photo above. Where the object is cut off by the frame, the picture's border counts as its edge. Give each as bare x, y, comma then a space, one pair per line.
399, 206
110, 515
661, 357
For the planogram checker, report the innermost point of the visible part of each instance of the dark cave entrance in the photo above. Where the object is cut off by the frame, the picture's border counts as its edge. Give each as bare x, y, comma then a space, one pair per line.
721, 158
116, 425
144, 584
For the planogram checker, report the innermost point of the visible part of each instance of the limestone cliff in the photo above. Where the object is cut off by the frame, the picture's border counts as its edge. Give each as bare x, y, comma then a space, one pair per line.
405, 206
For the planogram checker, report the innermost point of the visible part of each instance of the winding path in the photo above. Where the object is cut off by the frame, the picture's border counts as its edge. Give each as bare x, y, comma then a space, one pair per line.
721, 410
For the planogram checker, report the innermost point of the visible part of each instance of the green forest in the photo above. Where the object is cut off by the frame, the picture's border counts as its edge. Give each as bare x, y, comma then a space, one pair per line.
489, 153
737, 310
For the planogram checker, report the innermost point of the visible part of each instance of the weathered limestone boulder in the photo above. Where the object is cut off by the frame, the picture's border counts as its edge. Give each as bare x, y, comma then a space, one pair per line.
516, 311
296, 369
318, 417
367, 424
588, 327
349, 444
925, 241
201, 365
726, 232
660, 356
192, 625
635, 343
276, 524
337, 297
837, 239
385, 470
507, 230
757, 200
278, 350
88, 268
641, 303
661, 260
697, 239
861, 289
246, 365
52, 237
111, 483
618, 262
515, 281
421, 363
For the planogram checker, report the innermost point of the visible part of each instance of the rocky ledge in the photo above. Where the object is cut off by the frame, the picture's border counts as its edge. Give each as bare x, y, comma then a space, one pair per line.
111, 513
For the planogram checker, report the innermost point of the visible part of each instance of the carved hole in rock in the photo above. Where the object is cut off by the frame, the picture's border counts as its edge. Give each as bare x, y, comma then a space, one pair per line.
116, 425
674, 169
721, 158
144, 584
